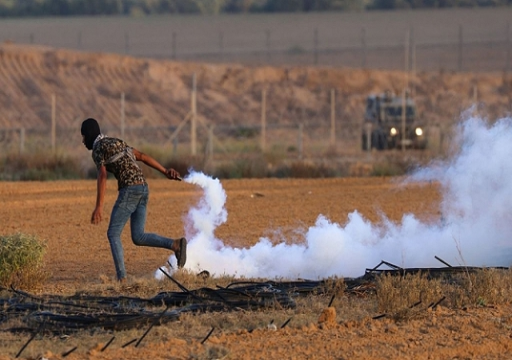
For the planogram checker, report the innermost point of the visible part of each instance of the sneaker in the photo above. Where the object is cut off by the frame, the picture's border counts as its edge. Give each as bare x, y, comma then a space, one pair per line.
181, 254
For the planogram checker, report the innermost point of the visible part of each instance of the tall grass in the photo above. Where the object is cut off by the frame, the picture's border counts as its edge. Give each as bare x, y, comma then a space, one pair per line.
21, 261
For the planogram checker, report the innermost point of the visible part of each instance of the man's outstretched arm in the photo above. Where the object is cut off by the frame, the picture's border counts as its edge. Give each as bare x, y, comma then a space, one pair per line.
149, 161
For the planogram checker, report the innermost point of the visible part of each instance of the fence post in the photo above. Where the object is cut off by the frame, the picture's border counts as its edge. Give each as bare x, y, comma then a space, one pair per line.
406, 58
173, 45
263, 120
267, 44
22, 141
363, 45
507, 53
368, 128
507, 61
193, 120
315, 47
122, 115
221, 45
413, 62
333, 118
404, 111
53, 124
210, 142
126, 43
406, 86
475, 100
300, 140
459, 60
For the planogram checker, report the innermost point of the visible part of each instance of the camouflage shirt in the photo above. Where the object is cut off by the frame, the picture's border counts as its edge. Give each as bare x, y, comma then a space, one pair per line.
118, 159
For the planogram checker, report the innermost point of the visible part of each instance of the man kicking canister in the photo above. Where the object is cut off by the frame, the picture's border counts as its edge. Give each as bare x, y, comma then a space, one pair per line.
115, 156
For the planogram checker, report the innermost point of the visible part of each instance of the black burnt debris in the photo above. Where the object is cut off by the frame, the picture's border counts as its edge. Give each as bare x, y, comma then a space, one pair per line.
56, 314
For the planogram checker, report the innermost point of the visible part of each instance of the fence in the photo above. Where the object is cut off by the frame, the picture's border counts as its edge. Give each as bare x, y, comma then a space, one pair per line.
452, 39
289, 132
331, 133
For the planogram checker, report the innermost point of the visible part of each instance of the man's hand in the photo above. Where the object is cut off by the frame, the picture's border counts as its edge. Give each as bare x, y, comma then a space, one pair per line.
96, 216
172, 174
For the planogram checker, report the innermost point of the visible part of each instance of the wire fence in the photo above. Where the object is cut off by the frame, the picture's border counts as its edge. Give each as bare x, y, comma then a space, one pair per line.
225, 141
287, 133
452, 39
330, 131
289, 130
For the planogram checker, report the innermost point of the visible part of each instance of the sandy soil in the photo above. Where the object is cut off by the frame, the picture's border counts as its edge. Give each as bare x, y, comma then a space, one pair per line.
78, 256
228, 94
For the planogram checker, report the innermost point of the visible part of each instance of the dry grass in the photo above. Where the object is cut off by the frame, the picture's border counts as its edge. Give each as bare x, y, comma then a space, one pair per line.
404, 297
482, 288
396, 296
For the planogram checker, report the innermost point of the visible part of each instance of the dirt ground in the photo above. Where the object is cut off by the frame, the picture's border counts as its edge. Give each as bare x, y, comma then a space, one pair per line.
78, 257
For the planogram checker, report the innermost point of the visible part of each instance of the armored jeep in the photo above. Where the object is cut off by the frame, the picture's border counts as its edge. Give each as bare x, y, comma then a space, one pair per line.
384, 122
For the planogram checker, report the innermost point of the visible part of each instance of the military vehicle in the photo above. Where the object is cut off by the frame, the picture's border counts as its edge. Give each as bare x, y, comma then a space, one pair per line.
384, 121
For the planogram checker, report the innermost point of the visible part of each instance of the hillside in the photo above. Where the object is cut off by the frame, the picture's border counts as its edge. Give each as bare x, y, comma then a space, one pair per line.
158, 92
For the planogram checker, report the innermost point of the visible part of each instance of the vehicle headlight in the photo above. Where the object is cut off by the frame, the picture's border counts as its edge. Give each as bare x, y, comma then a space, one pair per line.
418, 131
393, 131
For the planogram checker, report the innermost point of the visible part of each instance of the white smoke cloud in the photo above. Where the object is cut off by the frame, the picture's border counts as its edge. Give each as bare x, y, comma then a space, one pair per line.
475, 230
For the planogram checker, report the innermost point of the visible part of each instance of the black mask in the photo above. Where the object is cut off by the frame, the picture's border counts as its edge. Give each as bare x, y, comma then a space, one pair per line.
90, 130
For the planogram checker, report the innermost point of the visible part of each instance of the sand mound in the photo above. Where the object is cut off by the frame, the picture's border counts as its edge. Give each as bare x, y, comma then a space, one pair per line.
158, 91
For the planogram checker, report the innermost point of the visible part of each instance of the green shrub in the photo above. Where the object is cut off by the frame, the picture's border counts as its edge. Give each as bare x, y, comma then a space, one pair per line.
21, 261
42, 166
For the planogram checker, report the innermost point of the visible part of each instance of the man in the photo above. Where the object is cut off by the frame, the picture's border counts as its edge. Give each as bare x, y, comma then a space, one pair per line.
115, 156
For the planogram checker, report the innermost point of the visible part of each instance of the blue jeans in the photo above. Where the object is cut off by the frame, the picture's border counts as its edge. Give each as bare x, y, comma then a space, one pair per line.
131, 204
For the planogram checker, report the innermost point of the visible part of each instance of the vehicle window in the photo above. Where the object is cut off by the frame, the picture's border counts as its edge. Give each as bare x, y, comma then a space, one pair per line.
397, 111
393, 111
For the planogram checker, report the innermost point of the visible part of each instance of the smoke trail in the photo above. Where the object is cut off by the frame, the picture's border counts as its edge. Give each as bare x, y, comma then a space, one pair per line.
477, 191
475, 230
